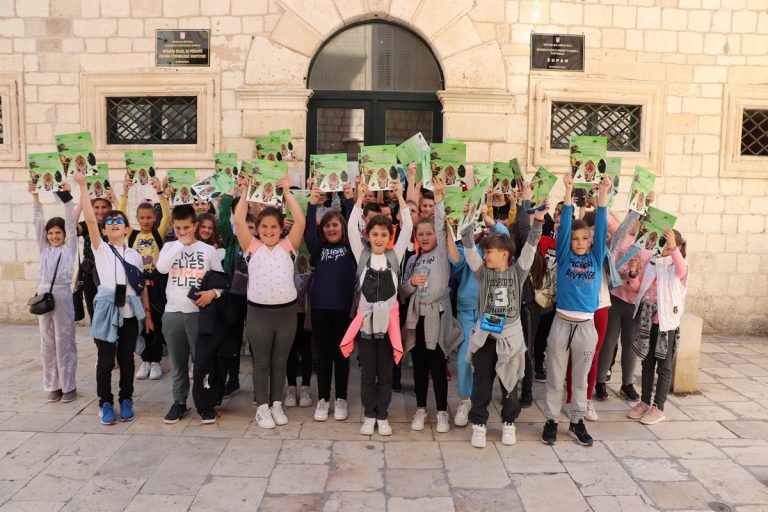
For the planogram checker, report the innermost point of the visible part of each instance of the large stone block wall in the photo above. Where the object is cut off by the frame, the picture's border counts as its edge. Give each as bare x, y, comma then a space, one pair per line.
261, 50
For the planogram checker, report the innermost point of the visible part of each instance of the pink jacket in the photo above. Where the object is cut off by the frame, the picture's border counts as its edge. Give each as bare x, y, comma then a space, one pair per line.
348, 342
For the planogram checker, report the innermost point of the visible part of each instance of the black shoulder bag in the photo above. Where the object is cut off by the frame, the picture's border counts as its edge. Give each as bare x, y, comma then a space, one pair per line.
42, 304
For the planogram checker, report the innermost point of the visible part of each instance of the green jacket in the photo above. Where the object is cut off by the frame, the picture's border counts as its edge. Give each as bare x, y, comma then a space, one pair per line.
224, 227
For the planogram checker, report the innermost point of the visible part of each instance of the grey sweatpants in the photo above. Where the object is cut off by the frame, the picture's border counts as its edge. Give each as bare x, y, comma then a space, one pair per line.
576, 340
180, 331
270, 332
57, 341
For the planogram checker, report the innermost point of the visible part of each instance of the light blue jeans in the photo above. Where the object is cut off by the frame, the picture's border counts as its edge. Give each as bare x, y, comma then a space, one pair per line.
467, 319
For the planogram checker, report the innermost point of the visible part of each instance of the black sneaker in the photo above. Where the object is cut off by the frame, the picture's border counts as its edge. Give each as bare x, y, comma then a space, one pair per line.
526, 399
540, 375
578, 431
628, 393
601, 391
175, 413
208, 416
549, 436
230, 388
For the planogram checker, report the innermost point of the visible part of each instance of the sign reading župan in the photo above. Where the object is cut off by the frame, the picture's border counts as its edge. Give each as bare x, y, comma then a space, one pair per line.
182, 48
557, 52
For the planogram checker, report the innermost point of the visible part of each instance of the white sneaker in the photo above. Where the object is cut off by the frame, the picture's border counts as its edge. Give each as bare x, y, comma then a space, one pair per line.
321, 411
305, 398
264, 417
419, 419
443, 425
278, 415
508, 436
368, 426
143, 371
290, 397
461, 418
591, 412
340, 410
384, 428
478, 436
155, 371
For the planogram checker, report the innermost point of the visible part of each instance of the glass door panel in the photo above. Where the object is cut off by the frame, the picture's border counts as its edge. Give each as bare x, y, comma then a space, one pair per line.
401, 124
340, 130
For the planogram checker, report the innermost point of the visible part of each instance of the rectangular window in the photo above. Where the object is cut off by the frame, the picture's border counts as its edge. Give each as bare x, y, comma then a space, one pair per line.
152, 120
754, 132
622, 124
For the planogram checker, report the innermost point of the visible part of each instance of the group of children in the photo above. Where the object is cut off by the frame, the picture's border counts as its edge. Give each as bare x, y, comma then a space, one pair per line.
389, 279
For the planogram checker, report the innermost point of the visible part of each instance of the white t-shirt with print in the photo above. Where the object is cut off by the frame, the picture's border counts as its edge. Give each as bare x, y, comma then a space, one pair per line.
270, 274
111, 271
185, 265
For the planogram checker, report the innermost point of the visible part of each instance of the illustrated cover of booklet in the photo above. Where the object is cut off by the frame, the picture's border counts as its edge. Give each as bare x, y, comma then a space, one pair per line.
181, 181
269, 148
226, 163
140, 169
507, 176
642, 185
462, 207
587, 158
246, 168
482, 172
542, 184
613, 171
650, 235
377, 166
286, 145
449, 161
329, 171
263, 184
410, 150
214, 186
46, 172
76, 153
98, 186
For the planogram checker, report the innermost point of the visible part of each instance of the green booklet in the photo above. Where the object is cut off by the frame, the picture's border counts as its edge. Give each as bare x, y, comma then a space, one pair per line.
181, 181
302, 197
642, 185
227, 163
246, 168
542, 184
613, 171
263, 184
410, 150
286, 146
462, 207
269, 148
329, 171
46, 172
587, 158
140, 166
482, 172
98, 186
507, 176
214, 186
377, 166
76, 153
650, 234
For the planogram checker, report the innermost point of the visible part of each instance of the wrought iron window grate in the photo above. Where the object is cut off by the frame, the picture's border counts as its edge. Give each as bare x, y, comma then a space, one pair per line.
2, 139
620, 123
754, 132
152, 120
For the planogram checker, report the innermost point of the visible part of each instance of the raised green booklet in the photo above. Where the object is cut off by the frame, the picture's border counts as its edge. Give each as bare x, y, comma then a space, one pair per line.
263, 184
98, 186
642, 185
46, 172
181, 181
542, 184
76, 153
329, 171
377, 166
650, 234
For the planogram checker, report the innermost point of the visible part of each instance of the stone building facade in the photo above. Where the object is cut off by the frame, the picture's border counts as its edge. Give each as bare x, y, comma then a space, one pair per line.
695, 66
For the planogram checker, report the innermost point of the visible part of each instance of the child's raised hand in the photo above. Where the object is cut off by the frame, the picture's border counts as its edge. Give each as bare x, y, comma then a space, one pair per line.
527, 191
362, 187
31, 187
669, 236
284, 183
348, 190
568, 182
79, 178
650, 198
66, 187
242, 183
396, 186
605, 184
411, 172
540, 214
155, 182
314, 196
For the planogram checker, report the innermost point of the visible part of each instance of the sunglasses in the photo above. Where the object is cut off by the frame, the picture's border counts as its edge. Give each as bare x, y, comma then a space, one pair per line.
114, 220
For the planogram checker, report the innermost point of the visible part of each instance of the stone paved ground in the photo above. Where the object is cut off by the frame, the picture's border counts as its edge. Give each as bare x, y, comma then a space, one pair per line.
56, 457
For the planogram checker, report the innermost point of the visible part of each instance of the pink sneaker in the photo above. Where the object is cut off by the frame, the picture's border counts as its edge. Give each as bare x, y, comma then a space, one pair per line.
653, 416
638, 411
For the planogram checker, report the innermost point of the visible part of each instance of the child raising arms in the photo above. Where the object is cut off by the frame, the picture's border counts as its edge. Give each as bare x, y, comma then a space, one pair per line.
377, 316
57, 243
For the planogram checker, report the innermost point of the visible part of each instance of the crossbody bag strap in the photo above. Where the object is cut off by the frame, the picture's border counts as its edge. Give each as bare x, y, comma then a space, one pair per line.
55, 271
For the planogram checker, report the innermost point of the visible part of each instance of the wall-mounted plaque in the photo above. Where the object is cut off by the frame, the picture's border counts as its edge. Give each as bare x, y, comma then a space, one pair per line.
182, 48
557, 52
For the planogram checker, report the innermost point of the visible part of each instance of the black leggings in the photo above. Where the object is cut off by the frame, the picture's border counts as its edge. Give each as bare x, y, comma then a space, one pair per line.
105, 361
233, 336
529, 317
154, 340
301, 349
329, 327
425, 363
376, 358
484, 363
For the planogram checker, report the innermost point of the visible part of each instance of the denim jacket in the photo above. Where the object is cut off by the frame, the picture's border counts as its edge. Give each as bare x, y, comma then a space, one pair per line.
108, 318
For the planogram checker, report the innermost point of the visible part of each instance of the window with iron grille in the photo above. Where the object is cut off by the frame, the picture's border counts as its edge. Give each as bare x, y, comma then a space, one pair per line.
754, 132
152, 120
620, 123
